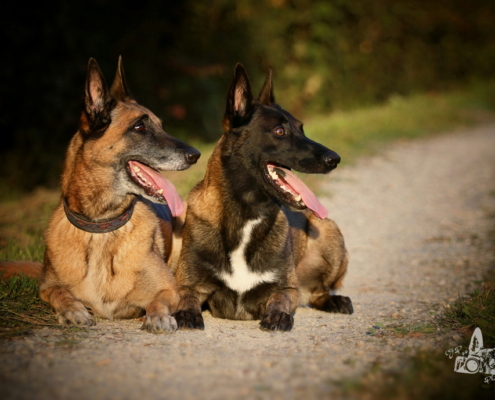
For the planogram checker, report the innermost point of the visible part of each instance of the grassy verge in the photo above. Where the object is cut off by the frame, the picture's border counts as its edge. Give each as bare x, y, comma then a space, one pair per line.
365, 131
21, 309
362, 131
476, 311
22, 223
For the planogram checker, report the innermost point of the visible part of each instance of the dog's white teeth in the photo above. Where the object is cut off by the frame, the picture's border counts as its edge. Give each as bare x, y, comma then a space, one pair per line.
298, 198
143, 178
136, 168
160, 191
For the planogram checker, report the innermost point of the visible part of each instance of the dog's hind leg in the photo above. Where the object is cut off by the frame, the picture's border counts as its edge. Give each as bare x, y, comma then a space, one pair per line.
323, 267
324, 298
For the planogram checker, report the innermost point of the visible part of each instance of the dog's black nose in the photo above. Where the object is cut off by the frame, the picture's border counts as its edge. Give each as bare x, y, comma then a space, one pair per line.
331, 158
192, 156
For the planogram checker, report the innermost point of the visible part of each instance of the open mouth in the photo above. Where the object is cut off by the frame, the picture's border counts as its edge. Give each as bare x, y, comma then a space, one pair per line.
156, 186
293, 190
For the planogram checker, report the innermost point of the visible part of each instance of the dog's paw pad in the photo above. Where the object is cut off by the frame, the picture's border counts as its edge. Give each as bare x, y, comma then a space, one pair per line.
187, 319
75, 315
159, 323
277, 321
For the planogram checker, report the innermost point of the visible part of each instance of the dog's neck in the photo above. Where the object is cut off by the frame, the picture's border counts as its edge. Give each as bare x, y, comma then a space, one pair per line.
98, 226
97, 206
243, 197
88, 188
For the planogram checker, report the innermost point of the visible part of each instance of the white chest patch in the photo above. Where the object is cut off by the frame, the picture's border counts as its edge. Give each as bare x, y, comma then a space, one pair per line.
242, 278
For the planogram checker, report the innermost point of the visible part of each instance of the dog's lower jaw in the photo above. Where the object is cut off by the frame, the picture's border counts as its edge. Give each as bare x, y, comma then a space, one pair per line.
129, 187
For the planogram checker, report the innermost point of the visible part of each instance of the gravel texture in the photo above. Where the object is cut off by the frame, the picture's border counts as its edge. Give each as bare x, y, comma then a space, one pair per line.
418, 222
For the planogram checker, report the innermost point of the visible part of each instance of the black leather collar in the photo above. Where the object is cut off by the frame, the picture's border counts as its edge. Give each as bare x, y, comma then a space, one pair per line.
102, 226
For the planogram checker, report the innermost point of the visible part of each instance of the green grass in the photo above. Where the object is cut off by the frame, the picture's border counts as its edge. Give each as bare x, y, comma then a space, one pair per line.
363, 131
22, 223
33, 251
21, 309
477, 310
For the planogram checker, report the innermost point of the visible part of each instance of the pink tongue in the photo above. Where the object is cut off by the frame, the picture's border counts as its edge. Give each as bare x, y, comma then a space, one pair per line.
169, 191
307, 195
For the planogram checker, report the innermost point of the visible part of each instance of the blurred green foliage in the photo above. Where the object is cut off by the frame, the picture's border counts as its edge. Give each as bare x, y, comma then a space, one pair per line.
179, 57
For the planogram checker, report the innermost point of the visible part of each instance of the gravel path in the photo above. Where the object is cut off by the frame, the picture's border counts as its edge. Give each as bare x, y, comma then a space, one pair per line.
416, 219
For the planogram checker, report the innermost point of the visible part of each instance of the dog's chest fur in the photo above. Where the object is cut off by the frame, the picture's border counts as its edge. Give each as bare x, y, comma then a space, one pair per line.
252, 266
114, 275
242, 277
97, 288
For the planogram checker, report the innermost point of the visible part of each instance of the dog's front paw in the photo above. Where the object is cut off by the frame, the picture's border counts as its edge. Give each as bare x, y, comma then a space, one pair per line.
277, 321
159, 323
338, 304
189, 319
75, 314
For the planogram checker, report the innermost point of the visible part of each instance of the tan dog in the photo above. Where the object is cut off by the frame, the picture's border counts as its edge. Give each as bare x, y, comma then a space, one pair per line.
108, 242
256, 240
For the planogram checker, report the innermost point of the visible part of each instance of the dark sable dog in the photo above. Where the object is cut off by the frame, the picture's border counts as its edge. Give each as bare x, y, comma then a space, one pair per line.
256, 240
108, 243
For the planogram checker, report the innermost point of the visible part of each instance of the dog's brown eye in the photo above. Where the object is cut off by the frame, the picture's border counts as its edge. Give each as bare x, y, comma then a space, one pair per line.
279, 131
140, 127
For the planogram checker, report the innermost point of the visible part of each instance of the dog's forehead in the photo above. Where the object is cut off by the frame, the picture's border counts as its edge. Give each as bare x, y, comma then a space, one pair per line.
127, 112
274, 114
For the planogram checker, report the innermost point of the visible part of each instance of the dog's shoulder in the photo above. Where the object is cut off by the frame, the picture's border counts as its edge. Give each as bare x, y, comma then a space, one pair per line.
205, 203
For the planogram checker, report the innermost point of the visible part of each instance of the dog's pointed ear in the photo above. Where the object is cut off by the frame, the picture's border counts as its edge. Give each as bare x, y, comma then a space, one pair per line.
240, 99
120, 90
266, 96
97, 102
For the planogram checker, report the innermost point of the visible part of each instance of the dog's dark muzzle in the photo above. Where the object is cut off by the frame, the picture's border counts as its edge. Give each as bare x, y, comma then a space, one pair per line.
192, 155
331, 159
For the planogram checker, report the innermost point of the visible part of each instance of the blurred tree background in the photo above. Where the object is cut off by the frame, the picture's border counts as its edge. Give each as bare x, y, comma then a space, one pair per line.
179, 56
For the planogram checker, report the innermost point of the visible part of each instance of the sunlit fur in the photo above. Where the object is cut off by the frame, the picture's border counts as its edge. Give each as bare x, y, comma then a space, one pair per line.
123, 273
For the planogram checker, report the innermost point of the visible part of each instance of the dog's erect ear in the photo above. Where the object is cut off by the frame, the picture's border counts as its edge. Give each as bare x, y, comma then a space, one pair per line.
120, 90
266, 96
97, 102
239, 99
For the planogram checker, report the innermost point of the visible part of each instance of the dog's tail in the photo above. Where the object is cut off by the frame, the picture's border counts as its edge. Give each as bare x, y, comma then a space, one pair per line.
31, 269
